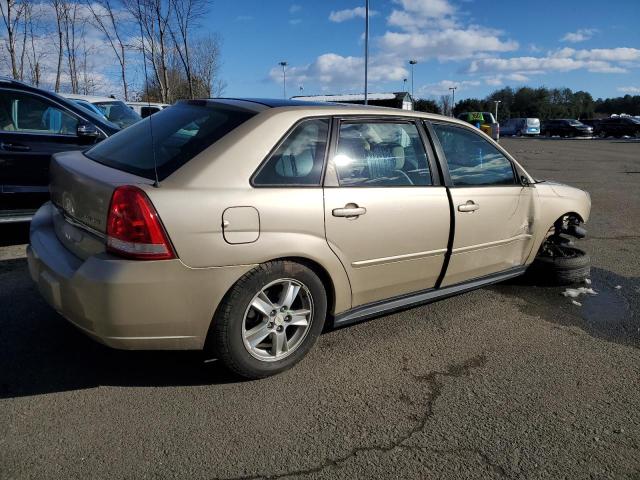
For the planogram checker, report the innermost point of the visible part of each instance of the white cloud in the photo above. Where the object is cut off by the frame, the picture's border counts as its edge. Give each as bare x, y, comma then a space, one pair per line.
295, 8
349, 14
442, 87
419, 14
336, 71
608, 60
630, 90
447, 44
500, 79
427, 8
580, 35
295, 21
610, 54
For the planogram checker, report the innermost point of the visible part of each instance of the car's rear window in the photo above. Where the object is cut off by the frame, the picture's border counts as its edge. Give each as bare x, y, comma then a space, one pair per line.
179, 133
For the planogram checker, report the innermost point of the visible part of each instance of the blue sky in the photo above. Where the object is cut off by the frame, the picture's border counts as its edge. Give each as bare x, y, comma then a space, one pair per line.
478, 45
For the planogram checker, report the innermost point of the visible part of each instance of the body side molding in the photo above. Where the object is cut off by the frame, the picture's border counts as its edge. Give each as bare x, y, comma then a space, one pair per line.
418, 298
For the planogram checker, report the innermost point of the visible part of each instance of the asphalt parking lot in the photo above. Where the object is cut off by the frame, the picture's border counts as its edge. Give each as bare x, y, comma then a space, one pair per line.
512, 381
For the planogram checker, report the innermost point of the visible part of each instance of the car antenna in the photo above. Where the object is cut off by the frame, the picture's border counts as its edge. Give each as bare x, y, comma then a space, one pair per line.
156, 183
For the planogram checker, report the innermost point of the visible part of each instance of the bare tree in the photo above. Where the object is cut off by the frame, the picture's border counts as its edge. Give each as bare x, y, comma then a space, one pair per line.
206, 53
112, 25
12, 13
445, 104
71, 23
186, 12
34, 54
153, 18
59, 7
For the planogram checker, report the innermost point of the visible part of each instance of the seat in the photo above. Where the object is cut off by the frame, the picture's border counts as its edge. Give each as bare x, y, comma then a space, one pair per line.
385, 162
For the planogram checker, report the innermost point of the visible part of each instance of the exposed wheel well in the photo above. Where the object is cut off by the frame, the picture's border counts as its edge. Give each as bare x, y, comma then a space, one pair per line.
568, 216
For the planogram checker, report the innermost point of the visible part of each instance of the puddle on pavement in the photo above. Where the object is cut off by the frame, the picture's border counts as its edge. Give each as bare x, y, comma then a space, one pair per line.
612, 314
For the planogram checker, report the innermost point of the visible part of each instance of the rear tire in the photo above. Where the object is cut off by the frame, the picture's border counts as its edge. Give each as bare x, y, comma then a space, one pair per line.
562, 270
230, 336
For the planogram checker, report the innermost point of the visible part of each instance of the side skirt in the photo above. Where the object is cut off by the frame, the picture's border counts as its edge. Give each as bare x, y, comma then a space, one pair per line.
375, 309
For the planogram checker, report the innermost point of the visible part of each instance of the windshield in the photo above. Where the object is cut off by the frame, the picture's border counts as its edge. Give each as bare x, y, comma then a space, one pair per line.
533, 122
90, 108
575, 123
119, 113
179, 134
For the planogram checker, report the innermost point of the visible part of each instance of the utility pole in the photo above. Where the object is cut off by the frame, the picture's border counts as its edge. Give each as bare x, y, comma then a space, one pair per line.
284, 79
412, 63
453, 99
366, 53
497, 102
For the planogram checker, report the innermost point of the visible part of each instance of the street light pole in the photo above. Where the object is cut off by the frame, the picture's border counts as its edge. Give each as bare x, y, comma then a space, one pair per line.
497, 102
366, 53
412, 63
453, 100
284, 79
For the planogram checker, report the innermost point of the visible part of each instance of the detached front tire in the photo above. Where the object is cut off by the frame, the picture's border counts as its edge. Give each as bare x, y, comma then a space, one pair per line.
269, 320
572, 266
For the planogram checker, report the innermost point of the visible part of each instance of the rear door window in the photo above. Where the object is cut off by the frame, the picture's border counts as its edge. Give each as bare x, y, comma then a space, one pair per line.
371, 154
471, 159
174, 137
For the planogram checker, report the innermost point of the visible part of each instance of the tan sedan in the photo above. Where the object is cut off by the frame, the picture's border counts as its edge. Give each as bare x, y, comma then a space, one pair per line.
244, 226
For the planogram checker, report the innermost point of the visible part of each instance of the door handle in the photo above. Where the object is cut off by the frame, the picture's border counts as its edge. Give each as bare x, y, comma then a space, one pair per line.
470, 206
350, 210
14, 147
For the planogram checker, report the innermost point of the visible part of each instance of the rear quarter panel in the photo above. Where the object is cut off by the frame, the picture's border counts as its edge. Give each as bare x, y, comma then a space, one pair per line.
192, 202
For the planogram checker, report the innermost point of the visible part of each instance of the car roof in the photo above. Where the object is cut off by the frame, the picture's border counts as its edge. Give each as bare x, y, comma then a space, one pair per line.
148, 104
320, 108
88, 98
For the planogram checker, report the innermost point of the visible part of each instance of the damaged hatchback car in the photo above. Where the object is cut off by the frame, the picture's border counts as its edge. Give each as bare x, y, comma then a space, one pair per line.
244, 227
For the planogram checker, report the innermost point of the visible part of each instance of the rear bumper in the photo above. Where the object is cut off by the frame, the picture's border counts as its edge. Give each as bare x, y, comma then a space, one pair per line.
127, 304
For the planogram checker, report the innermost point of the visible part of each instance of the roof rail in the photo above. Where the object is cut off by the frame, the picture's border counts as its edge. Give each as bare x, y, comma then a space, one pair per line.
7, 79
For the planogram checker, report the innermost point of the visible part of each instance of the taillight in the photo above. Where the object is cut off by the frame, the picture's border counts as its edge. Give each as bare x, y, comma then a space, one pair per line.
134, 229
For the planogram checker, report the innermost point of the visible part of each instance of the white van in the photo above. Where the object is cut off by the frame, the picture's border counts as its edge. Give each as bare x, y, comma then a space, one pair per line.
521, 126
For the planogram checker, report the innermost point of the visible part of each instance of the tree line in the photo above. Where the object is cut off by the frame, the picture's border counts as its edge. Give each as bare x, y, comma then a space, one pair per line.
54, 44
543, 103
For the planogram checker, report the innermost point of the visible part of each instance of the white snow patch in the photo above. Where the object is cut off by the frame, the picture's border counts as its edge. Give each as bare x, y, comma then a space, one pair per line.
576, 292
618, 287
576, 303
587, 281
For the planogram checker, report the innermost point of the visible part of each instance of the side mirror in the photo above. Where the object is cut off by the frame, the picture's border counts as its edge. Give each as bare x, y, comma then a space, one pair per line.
524, 181
87, 130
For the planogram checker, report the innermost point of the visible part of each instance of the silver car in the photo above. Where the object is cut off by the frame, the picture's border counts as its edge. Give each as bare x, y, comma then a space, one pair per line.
243, 227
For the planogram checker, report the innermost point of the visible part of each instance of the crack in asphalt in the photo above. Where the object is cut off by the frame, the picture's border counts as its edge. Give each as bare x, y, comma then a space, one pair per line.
435, 385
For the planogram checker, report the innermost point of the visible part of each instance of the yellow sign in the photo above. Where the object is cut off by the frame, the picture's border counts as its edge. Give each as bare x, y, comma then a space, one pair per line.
476, 117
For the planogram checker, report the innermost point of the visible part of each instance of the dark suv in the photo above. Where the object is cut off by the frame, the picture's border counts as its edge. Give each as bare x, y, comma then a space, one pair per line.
618, 127
565, 128
34, 124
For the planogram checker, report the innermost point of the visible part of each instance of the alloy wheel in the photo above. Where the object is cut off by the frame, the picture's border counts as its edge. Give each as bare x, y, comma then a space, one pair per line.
277, 320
